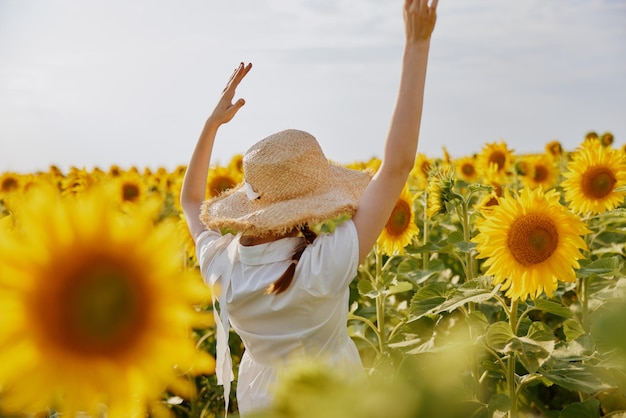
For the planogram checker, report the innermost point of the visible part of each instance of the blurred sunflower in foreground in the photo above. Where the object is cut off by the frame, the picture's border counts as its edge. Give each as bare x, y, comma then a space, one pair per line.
95, 309
530, 242
400, 228
593, 176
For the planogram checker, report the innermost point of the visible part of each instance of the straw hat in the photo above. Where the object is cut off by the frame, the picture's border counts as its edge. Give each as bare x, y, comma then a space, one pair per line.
288, 182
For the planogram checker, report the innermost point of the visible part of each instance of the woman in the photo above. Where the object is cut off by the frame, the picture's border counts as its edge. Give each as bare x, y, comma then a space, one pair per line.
283, 289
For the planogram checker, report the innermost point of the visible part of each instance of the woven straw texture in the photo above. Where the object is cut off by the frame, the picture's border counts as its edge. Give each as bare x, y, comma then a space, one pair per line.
296, 185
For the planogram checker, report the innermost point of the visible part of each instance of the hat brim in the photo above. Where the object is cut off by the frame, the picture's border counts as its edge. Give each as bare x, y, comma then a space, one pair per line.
234, 210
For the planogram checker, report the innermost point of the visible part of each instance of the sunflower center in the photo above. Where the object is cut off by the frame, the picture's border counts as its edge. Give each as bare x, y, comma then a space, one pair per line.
130, 192
532, 239
468, 169
399, 220
98, 311
498, 158
9, 184
598, 182
541, 173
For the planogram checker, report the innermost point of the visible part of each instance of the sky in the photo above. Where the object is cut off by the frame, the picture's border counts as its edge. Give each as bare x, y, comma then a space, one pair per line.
92, 83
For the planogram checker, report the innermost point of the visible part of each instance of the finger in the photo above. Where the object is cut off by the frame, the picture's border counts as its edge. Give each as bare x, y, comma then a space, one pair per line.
230, 80
234, 108
240, 73
433, 6
238, 104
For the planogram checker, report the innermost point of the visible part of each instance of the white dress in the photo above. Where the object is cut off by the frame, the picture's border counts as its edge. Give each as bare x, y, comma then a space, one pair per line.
308, 320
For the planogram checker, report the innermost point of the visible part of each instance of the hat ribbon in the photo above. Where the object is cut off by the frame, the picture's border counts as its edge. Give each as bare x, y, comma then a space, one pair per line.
252, 195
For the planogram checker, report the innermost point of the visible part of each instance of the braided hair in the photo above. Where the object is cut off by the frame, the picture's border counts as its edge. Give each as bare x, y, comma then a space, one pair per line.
284, 281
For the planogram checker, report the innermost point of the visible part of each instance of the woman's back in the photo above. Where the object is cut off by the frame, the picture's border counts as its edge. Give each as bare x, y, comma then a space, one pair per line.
308, 320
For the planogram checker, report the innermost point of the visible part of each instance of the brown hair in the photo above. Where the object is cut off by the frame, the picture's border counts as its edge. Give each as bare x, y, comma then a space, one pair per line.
284, 281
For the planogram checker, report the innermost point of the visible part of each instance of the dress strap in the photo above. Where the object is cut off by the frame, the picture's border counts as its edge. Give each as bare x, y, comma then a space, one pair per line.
224, 363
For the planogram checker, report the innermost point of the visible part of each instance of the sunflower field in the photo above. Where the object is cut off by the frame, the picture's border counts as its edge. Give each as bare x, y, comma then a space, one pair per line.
497, 289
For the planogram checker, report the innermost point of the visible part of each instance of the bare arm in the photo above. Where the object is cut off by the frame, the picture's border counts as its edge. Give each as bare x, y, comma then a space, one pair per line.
381, 194
193, 191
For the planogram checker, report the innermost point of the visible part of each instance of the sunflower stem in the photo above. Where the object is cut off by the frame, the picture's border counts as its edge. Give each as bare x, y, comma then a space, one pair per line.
511, 382
380, 304
425, 254
469, 259
583, 293
585, 302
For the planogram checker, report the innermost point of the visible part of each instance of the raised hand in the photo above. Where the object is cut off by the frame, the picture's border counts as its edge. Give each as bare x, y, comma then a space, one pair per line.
419, 19
226, 109
193, 191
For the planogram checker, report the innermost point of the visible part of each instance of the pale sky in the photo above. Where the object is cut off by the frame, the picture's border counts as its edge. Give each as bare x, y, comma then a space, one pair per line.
94, 83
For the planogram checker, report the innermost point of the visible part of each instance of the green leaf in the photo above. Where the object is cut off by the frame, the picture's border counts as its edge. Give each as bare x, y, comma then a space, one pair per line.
423, 307
387, 277
530, 354
466, 295
471, 409
479, 187
576, 377
478, 322
499, 402
454, 237
431, 290
535, 348
367, 289
409, 269
498, 335
587, 409
541, 333
572, 329
401, 287
577, 350
432, 247
553, 308
436, 298
600, 267
464, 246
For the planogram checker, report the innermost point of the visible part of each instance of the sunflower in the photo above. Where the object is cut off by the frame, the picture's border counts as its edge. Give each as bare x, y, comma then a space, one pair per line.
540, 170
607, 139
466, 169
554, 149
370, 166
76, 182
421, 171
115, 171
221, 179
10, 183
495, 154
400, 228
530, 242
95, 309
236, 163
493, 180
593, 176
439, 191
446, 156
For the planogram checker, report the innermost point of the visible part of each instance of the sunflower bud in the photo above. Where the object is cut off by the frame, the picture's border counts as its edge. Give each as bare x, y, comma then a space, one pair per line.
441, 191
